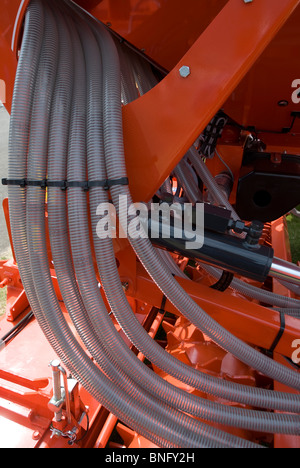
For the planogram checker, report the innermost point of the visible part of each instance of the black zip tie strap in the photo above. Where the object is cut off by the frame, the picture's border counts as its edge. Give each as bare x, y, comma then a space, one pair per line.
64, 185
279, 335
163, 305
224, 282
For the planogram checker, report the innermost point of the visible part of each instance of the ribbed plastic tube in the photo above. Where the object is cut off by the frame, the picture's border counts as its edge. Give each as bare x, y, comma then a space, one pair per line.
76, 169
141, 373
114, 153
133, 319
122, 306
129, 90
254, 292
99, 317
69, 107
68, 347
142, 72
210, 182
24, 90
292, 287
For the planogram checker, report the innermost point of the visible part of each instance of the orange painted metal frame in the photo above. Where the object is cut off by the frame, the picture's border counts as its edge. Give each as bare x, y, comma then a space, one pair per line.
161, 126
247, 320
158, 129
12, 16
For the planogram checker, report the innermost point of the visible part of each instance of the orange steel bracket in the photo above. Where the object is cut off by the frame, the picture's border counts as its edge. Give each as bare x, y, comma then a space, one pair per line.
247, 320
161, 126
11, 20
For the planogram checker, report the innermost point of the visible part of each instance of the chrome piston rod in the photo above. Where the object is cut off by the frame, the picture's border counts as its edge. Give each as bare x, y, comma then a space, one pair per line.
285, 271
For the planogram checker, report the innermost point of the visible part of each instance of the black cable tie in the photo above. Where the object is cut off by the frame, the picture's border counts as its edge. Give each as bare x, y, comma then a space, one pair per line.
64, 185
163, 305
20, 182
36, 183
279, 335
224, 282
114, 182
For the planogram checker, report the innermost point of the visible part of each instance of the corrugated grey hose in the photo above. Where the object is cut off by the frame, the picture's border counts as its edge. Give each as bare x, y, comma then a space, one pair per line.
163, 360
77, 206
101, 321
52, 321
159, 423
282, 302
106, 257
61, 338
114, 154
112, 295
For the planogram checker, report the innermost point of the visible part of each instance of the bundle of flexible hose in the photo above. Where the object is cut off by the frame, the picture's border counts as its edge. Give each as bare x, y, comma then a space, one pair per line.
88, 311
155, 423
127, 319
77, 207
115, 163
205, 175
32, 40
102, 322
53, 323
100, 328
125, 306
258, 420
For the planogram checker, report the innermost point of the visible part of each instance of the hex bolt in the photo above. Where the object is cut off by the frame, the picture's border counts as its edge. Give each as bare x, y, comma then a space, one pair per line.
185, 71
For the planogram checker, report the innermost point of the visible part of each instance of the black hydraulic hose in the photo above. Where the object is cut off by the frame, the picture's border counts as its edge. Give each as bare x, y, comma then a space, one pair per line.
17, 328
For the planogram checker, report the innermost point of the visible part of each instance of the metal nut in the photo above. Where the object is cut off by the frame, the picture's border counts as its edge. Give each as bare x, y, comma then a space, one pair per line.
185, 71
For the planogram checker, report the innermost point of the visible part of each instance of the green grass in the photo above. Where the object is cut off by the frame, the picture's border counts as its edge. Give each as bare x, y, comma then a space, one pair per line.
3, 292
2, 301
294, 232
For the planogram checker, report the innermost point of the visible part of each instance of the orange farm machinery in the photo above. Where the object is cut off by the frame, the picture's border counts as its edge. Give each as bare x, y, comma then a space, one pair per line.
154, 154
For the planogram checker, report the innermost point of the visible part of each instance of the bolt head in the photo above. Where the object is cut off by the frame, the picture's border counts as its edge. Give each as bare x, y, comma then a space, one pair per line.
185, 71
